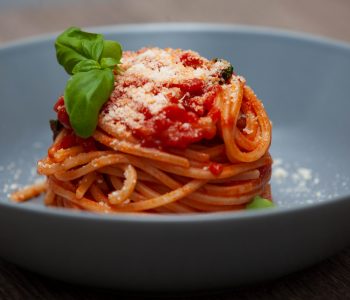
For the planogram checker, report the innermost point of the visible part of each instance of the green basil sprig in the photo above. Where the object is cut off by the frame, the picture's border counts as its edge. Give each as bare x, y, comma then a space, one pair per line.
90, 60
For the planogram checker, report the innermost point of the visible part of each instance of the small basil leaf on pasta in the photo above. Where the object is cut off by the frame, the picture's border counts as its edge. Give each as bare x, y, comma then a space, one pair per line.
84, 96
74, 45
259, 203
226, 74
93, 49
91, 60
85, 66
108, 62
112, 49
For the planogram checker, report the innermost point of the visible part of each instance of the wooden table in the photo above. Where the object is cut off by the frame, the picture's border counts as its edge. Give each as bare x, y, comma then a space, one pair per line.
328, 280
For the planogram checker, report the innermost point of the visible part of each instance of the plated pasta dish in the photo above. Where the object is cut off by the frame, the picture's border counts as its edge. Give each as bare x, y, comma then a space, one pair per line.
153, 131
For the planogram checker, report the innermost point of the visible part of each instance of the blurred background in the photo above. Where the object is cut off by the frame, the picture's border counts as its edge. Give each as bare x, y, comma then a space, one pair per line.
24, 18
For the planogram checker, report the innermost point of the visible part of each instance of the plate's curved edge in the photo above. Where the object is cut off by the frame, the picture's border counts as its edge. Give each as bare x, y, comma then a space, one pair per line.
187, 218
186, 27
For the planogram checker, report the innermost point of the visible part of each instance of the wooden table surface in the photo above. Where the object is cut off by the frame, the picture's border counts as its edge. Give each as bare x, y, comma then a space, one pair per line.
23, 18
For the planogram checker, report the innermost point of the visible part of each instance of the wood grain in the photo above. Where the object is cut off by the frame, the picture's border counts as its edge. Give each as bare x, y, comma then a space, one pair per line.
328, 280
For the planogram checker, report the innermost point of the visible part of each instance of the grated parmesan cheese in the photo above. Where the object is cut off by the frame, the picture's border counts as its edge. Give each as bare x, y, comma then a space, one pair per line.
301, 185
146, 82
280, 173
304, 173
247, 131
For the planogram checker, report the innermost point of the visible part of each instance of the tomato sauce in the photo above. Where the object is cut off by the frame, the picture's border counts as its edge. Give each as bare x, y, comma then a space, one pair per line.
178, 124
71, 140
62, 114
216, 168
189, 60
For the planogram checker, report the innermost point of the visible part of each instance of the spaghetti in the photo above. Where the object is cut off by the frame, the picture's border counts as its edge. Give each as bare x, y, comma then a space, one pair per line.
179, 134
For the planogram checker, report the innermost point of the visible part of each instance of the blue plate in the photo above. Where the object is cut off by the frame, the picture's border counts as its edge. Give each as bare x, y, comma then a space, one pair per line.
304, 83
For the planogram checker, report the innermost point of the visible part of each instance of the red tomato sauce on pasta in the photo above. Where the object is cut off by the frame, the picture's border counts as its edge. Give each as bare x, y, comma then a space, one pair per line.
181, 125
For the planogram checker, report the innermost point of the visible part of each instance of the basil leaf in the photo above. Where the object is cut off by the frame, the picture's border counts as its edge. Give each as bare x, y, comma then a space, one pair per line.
84, 96
226, 74
91, 60
93, 49
74, 45
86, 65
108, 62
259, 203
112, 49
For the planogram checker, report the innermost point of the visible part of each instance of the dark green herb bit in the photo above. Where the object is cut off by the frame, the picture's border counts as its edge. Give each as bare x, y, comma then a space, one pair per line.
259, 203
56, 127
92, 61
226, 74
